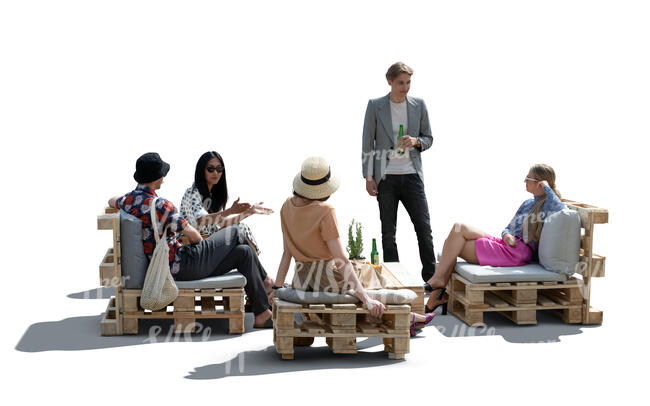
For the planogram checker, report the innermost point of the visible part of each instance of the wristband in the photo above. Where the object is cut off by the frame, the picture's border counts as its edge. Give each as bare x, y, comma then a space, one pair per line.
276, 287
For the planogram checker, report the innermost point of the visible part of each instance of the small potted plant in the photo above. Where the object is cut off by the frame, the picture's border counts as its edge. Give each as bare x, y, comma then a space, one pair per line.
355, 244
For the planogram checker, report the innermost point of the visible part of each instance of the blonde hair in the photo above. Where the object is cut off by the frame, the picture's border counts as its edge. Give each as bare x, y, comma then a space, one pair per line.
533, 223
397, 68
545, 172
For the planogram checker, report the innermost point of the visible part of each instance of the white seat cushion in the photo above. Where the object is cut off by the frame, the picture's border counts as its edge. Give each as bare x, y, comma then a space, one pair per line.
490, 274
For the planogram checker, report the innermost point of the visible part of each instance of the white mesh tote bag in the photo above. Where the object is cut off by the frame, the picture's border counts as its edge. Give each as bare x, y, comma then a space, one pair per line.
159, 288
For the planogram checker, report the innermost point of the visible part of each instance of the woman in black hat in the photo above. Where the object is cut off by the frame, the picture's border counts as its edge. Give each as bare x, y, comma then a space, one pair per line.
214, 256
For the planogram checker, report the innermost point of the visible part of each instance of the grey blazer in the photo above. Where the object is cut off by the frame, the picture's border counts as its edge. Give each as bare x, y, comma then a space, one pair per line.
378, 136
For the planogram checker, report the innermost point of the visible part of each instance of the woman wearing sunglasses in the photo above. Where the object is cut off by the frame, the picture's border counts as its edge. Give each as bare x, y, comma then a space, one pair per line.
517, 245
204, 204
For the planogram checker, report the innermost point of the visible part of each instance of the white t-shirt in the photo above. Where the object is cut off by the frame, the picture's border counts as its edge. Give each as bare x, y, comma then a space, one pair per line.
399, 164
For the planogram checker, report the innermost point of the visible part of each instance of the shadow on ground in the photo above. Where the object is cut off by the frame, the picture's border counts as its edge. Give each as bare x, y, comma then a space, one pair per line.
548, 329
268, 361
83, 333
99, 293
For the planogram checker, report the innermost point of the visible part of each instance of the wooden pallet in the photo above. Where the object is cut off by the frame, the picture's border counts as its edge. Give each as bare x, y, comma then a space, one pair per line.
519, 302
109, 321
124, 311
341, 325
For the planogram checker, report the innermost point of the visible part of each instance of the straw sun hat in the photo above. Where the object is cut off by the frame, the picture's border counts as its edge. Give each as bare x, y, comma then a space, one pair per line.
315, 180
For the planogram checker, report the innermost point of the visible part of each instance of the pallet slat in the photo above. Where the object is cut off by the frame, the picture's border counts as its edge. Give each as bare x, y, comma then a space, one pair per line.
341, 325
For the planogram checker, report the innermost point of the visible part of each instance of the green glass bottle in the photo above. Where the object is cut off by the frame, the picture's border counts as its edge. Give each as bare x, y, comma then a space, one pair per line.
374, 255
400, 150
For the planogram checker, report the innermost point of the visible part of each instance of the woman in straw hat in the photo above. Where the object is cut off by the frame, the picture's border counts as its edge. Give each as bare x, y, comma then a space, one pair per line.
311, 237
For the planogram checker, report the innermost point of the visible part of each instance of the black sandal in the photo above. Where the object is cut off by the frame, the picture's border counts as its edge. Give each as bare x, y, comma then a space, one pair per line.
440, 296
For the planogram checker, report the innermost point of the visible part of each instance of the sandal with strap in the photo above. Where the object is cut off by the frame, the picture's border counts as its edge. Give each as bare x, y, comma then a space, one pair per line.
412, 327
417, 325
428, 318
440, 296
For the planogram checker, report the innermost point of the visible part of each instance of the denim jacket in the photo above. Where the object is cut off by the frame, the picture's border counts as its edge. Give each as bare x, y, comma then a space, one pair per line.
551, 205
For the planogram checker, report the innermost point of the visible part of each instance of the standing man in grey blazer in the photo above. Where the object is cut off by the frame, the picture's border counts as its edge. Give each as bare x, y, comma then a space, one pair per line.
392, 176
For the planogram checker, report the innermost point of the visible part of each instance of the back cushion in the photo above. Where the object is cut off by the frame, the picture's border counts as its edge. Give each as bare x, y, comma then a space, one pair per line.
559, 244
134, 261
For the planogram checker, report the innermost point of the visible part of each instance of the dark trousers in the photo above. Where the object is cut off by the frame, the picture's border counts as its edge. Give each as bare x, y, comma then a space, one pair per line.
408, 189
221, 253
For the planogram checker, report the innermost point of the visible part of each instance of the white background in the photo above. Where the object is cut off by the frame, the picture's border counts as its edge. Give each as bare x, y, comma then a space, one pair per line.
86, 87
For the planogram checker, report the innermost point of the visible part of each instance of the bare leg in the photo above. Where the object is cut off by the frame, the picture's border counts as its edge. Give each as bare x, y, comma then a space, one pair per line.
268, 281
419, 318
460, 242
268, 284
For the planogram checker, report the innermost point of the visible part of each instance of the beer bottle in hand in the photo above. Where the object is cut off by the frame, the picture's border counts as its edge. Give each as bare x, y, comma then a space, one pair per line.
400, 150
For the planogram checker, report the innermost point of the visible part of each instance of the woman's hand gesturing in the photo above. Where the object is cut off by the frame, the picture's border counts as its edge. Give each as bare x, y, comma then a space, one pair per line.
237, 207
258, 209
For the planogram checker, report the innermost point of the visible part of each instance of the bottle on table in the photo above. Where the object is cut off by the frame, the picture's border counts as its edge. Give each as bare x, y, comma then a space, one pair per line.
374, 254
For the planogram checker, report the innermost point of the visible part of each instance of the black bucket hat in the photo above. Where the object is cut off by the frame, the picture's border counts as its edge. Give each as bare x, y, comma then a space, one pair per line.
150, 167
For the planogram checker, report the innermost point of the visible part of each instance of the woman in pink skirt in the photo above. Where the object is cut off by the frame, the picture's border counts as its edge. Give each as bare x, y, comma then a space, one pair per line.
517, 245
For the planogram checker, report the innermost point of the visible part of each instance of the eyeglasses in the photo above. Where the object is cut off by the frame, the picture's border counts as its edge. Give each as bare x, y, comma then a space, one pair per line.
526, 179
219, 168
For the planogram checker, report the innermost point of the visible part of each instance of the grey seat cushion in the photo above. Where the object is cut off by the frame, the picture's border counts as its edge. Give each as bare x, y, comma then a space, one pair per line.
489, 274
232, 279
134, 261
386, 296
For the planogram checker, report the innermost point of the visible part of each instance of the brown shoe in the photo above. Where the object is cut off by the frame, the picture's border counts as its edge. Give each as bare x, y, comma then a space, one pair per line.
267, 324
303, 341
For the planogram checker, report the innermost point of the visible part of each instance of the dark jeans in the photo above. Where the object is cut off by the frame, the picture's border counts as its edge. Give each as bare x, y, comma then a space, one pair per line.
221, 253
408, 189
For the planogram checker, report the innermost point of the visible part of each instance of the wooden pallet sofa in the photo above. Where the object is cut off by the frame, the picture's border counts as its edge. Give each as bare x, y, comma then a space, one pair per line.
519, 292
341, 319
122, 267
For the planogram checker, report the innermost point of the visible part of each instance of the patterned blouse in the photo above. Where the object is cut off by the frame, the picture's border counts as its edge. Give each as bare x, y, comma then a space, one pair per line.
138, 203
550, 206
192, 208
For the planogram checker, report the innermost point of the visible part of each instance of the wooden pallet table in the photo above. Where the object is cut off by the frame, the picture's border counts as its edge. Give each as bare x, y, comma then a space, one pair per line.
519, 302
400, 277
124, 312
341, 325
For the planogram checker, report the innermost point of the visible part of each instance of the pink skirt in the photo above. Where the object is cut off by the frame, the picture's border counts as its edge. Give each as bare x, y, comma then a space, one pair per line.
495, 252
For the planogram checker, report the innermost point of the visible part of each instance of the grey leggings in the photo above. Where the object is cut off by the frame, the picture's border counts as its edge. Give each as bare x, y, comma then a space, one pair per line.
221, 253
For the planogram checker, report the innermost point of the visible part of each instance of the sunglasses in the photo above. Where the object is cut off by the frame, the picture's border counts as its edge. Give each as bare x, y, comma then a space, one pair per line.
219, 168
526, 179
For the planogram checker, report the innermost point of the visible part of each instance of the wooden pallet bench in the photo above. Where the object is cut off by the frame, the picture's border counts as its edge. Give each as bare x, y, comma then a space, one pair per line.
520, 301
189, 306
124, 312
341, 325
